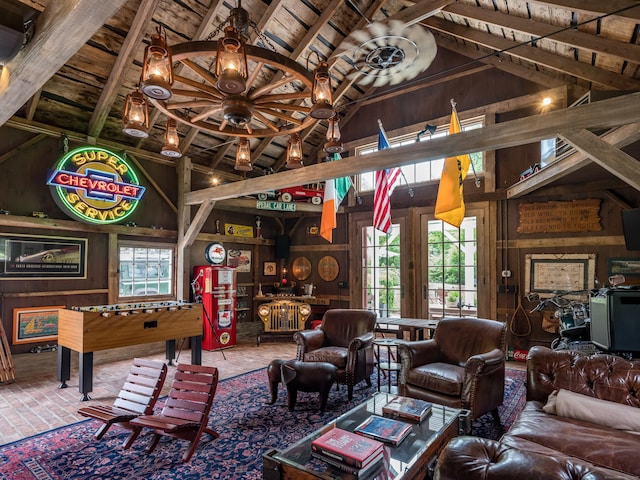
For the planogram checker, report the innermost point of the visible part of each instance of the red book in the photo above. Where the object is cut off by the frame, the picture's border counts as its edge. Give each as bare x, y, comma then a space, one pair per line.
347, 447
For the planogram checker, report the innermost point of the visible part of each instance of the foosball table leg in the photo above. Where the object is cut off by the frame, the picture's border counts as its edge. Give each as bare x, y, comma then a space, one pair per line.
64, 366
86, 375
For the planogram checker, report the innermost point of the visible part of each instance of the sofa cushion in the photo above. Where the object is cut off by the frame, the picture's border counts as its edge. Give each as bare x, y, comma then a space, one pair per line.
334, 355
536, 431
566, 403
438, 377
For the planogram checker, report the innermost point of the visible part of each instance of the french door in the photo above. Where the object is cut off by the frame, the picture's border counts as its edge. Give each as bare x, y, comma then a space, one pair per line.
453, 267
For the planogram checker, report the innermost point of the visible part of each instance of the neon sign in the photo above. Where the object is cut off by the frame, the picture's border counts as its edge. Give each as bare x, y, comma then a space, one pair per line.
95, 185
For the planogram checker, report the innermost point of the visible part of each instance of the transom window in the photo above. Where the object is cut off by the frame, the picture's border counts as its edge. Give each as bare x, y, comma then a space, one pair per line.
422, 171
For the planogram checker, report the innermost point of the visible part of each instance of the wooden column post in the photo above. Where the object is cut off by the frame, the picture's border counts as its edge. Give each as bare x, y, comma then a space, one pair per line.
184, 168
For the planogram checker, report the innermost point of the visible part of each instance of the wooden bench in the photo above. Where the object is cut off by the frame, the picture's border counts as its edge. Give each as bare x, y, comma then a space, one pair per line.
137, 397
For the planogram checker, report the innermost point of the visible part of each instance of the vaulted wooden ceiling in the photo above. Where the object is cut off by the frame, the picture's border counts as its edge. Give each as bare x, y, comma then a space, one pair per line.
86, 56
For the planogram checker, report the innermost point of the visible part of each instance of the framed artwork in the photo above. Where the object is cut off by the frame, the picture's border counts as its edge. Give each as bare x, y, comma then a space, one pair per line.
34, 256
35, 324
550, 274
269, 269
239, 259
629, 267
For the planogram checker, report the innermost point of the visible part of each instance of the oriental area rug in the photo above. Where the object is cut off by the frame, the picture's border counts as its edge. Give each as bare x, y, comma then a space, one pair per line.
248, 428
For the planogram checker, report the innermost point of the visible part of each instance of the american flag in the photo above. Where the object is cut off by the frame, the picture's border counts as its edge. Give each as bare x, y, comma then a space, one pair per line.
385, 183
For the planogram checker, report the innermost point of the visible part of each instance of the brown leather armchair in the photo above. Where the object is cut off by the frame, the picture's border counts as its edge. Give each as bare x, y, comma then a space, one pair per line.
462, 366
345, 339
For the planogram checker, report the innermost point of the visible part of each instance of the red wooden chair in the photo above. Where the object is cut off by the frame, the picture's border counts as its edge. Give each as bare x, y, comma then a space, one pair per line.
186, 410
137, 397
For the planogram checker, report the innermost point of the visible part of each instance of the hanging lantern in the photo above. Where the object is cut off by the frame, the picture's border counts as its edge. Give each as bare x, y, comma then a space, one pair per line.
321, 95
157, 72
294, 151
231, 63
136, 115
171, 140
243, 155
333, 144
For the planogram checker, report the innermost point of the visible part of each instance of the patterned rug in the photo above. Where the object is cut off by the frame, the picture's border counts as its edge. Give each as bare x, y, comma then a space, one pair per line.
248, 428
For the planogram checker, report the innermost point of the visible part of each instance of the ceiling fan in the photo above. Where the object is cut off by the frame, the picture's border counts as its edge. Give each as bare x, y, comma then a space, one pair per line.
387, 53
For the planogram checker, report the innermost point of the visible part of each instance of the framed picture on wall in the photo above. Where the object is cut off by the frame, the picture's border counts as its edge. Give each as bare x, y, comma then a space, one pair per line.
269, 269
35, 324
41, 257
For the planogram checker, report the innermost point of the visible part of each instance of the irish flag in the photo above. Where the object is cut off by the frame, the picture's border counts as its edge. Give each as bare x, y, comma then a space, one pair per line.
334, 192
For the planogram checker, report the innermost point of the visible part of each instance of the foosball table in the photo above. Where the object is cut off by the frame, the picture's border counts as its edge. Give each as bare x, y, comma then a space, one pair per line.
90, 329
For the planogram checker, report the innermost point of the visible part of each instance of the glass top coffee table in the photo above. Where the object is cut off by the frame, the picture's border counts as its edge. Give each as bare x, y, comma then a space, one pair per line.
407, 461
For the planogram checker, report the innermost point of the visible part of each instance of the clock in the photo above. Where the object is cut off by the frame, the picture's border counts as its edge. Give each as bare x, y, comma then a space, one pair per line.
215, 253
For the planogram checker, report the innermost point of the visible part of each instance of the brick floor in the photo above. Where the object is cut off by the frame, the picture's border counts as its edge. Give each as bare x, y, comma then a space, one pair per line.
34, 403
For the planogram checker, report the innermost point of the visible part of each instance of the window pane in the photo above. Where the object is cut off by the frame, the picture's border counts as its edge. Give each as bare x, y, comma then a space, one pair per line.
145, 271
381, 271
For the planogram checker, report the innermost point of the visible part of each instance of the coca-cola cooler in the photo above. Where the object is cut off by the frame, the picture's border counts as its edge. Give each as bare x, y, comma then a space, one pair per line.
217, 287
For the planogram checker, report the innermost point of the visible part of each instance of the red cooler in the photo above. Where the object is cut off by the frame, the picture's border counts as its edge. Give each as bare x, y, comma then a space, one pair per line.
217, 287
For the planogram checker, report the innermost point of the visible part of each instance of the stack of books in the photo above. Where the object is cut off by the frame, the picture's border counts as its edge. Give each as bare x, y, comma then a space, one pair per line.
351, 453
387, 430
412, 409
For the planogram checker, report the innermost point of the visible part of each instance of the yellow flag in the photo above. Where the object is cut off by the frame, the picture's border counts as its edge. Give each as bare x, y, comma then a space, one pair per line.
450, 200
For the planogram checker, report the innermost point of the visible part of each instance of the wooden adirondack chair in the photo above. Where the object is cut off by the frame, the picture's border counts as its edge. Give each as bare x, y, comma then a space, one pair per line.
186, 410
137, 397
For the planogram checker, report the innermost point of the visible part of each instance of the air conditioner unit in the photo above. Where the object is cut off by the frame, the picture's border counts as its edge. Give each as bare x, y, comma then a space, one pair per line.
17, 22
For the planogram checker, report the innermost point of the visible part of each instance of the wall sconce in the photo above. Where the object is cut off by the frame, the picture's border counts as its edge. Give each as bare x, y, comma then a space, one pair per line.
243, 155
136, 115
231, 63
294, 151
171, 140
157, 70
321, 94
333, 144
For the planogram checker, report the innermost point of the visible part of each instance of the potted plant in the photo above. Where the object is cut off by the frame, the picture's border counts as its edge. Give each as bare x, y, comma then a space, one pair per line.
452, 299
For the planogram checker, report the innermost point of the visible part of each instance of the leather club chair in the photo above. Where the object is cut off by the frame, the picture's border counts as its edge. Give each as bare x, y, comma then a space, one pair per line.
345, 339
462, 366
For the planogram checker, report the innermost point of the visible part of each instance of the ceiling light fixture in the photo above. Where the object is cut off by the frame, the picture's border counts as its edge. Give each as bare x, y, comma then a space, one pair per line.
243, 155
230, 87
333, 144
171, 140
294, 151
136, 115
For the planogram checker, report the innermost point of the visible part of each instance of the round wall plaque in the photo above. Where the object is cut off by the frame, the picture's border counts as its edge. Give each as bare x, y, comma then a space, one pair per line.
328, 268
301, 268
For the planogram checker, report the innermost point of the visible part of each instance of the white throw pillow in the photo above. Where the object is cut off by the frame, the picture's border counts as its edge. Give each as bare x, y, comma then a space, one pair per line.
568, 404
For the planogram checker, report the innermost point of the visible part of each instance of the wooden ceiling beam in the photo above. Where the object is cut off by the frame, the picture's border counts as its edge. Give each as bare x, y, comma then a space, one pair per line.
614, 161
595, 75
502, 64
618, 137
603, 114
62, 29
596, 6
124, 60
570, 37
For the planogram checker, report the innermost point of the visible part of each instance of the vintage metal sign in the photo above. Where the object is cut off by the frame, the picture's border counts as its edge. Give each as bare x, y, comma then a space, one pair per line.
95, 185
278, 206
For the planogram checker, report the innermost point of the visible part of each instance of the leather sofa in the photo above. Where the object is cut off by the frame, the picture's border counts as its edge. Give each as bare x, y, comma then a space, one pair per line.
542, 445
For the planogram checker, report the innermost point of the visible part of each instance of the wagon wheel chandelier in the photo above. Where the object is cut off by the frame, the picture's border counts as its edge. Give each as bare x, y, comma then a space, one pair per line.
228, 87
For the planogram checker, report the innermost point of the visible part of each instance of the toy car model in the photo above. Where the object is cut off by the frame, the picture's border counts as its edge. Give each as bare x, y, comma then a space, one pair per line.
535, 168
313, 195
